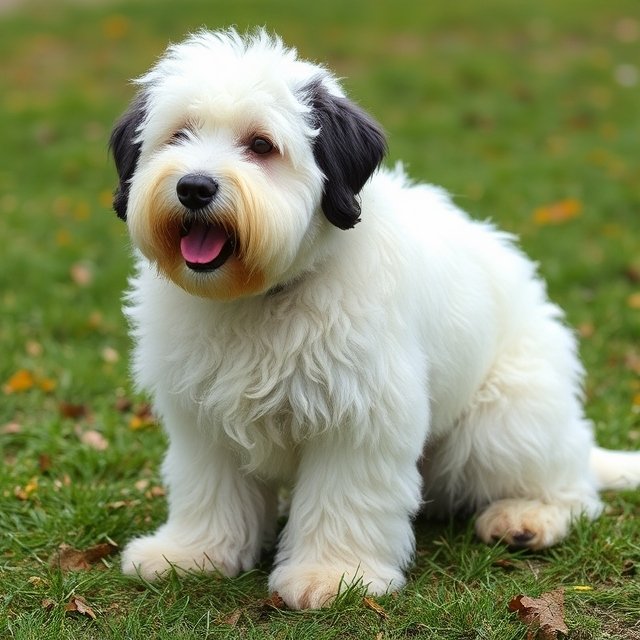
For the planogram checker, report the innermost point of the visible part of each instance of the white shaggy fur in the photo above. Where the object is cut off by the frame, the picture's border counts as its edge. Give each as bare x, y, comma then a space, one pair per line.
418, 332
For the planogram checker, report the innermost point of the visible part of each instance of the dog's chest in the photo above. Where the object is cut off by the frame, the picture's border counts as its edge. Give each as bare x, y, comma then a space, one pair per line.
266, 379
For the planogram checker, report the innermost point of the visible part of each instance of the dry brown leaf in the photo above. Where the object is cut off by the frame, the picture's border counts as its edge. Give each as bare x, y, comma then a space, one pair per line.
77, 604
121, 504
274, 601
374, 606
66, 558
232, 618
544, 615
48, 604
123, 404
504, 563
44, 462
155, 492
72, 410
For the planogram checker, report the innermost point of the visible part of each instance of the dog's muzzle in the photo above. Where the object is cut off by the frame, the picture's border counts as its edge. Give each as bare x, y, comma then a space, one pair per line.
205, 245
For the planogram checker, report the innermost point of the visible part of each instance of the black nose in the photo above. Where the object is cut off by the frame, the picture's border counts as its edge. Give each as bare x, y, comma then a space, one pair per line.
196, 191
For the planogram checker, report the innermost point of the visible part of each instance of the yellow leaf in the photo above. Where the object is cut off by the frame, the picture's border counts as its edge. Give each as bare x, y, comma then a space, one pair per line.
634, 300
47, 384
137, 422
582, 587
115, 27
20, 381
24, 493
558, 212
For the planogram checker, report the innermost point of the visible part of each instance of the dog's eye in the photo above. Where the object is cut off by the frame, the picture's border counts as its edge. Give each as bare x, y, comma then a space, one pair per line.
179, 136
261, 146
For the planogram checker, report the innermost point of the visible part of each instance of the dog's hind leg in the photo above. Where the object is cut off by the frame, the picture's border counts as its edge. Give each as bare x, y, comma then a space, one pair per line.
519, 456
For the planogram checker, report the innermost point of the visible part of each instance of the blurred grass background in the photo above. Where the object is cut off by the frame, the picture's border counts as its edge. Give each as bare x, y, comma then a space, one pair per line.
526, 112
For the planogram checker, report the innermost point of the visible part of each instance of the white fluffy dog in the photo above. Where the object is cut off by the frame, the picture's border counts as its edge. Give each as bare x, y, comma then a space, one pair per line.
414, 361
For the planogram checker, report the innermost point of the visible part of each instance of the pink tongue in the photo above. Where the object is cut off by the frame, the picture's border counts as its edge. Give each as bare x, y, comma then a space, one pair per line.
203, 243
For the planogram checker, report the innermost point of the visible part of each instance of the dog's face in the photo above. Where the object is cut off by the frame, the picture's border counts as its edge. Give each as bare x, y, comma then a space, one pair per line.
235, 159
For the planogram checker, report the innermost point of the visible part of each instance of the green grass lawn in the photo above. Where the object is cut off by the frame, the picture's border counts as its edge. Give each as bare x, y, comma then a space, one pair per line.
527, 112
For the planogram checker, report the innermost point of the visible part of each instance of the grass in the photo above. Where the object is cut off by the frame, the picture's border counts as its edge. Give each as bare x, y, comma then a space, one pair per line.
527, 112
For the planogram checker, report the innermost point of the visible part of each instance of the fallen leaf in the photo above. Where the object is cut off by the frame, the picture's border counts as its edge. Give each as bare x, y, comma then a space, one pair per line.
632, 361
142, 417
232, 618
155, 492
36, 581
123, 404
11, 428
48, 604
110, 355
82, 274
20, 381
142, 485
77, 604
374, 606
558, 212
24, 493
47, 384
634, 300
34, 348
73, 411
44, 462
628, 568
116, 26
504, 563
544, 616
94, 439
66, 558
274, 601
23, 380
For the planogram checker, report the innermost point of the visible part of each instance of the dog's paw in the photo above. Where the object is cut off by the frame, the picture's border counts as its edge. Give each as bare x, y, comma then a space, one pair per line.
530, 524
312, 586
153, 556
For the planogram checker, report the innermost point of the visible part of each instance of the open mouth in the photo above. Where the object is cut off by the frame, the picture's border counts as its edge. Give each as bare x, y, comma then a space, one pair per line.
205, 246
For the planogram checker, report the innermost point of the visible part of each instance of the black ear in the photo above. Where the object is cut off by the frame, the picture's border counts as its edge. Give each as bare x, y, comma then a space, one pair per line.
348, 149
126, 152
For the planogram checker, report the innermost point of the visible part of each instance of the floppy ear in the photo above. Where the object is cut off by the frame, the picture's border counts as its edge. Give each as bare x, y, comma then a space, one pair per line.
126, 151
348, 149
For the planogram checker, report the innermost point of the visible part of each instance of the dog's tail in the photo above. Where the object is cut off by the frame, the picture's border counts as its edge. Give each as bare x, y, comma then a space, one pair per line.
615, 469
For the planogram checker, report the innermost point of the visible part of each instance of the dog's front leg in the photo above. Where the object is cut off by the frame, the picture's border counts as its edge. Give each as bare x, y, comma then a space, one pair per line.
217, 515
350, 520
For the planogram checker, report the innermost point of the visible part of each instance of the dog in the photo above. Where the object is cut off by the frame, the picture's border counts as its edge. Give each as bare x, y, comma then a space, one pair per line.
408, 362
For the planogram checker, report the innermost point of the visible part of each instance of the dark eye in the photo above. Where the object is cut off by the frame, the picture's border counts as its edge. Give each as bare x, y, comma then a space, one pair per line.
261, 146
179, 136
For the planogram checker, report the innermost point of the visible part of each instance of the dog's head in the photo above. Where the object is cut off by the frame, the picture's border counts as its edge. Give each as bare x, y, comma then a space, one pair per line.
234, 158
